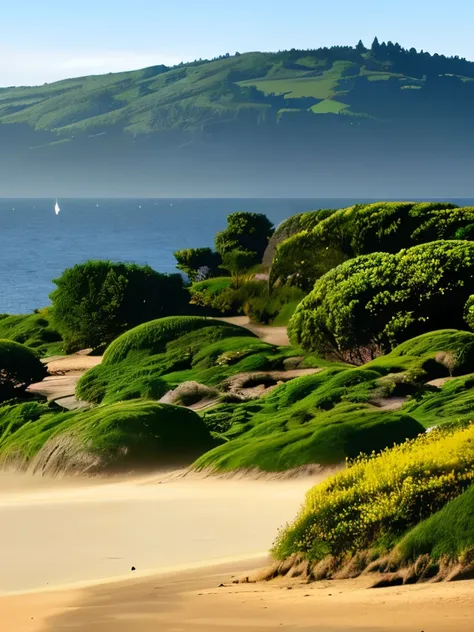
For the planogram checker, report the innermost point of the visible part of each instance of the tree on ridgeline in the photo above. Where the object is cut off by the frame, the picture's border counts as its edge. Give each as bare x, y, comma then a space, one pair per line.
96, 301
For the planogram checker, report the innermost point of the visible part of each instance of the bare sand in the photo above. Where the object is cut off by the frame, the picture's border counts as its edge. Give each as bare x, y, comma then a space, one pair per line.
67, 549
273, 335
206, 599
68, 532
65, 371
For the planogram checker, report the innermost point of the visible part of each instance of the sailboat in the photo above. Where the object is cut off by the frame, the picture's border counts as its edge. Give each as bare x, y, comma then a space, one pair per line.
56, 208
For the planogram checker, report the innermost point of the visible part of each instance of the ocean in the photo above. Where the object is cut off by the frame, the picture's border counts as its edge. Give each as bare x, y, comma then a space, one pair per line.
36, 245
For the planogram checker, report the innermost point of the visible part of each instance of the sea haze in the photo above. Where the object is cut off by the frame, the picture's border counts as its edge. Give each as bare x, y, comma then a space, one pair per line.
36, 245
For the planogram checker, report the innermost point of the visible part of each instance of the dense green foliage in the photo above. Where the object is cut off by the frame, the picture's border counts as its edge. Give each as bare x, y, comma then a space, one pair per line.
291, 226
252, 298
449, 532
317, 246
132, 434
152, 358
375, 301
19, 367
247, 232
96, 301
33, 330
371, 504
192, 260
211, 286
152, 337
337, 413
238, 263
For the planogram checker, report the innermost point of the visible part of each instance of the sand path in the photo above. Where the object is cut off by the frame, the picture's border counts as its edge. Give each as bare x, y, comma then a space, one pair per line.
65, 372
273, 335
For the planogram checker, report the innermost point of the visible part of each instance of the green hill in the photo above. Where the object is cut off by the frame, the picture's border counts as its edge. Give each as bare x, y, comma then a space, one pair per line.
250, 87
239, 111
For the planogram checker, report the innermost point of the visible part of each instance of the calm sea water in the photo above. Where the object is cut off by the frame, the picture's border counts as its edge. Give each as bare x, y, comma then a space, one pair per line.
36, 245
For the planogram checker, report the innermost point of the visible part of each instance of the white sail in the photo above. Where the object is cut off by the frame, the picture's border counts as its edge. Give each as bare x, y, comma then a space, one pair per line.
56, 208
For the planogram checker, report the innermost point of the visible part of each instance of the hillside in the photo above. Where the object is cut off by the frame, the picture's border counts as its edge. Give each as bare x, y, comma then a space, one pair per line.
251, 106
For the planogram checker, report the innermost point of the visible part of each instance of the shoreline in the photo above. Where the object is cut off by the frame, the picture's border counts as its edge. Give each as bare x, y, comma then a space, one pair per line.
204, 598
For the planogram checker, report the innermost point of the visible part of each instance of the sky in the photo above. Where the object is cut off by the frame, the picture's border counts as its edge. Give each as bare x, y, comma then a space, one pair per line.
53, 39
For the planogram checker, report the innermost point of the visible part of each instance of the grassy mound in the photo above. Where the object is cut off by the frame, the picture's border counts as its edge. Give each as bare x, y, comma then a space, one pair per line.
449, 533
434, 354
343, 411
371, 504
32, 330
321, 418
211, 286
122, 436
152, 337
153, 358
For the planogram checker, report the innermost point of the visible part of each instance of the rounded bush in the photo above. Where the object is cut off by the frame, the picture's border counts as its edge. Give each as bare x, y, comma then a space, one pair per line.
96, 301
376, 301
19, 367
362, 229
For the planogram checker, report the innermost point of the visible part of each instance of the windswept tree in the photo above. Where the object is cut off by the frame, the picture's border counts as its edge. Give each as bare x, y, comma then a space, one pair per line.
96, 301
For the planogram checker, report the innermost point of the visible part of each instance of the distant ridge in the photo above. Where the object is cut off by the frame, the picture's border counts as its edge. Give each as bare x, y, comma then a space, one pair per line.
249, 117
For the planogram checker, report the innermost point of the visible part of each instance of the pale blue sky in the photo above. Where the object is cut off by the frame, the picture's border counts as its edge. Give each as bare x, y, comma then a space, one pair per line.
53, 39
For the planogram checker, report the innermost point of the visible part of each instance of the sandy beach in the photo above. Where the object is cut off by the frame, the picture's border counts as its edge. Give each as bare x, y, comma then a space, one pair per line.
206, 599
89, 531
68, 548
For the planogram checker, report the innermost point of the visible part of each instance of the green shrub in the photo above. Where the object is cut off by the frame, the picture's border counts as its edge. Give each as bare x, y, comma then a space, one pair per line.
96, 301
292, 225
266, 307
238, 263
191, 260
376, 301
249, 232
373, 502
33, 330
252, 298
362, 229
19, 367
211, 287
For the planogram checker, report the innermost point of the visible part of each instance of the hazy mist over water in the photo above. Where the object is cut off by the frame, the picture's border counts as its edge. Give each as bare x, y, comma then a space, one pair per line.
36, 245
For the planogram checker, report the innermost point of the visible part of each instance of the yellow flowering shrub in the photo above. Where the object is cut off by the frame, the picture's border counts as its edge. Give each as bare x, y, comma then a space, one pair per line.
378, 497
